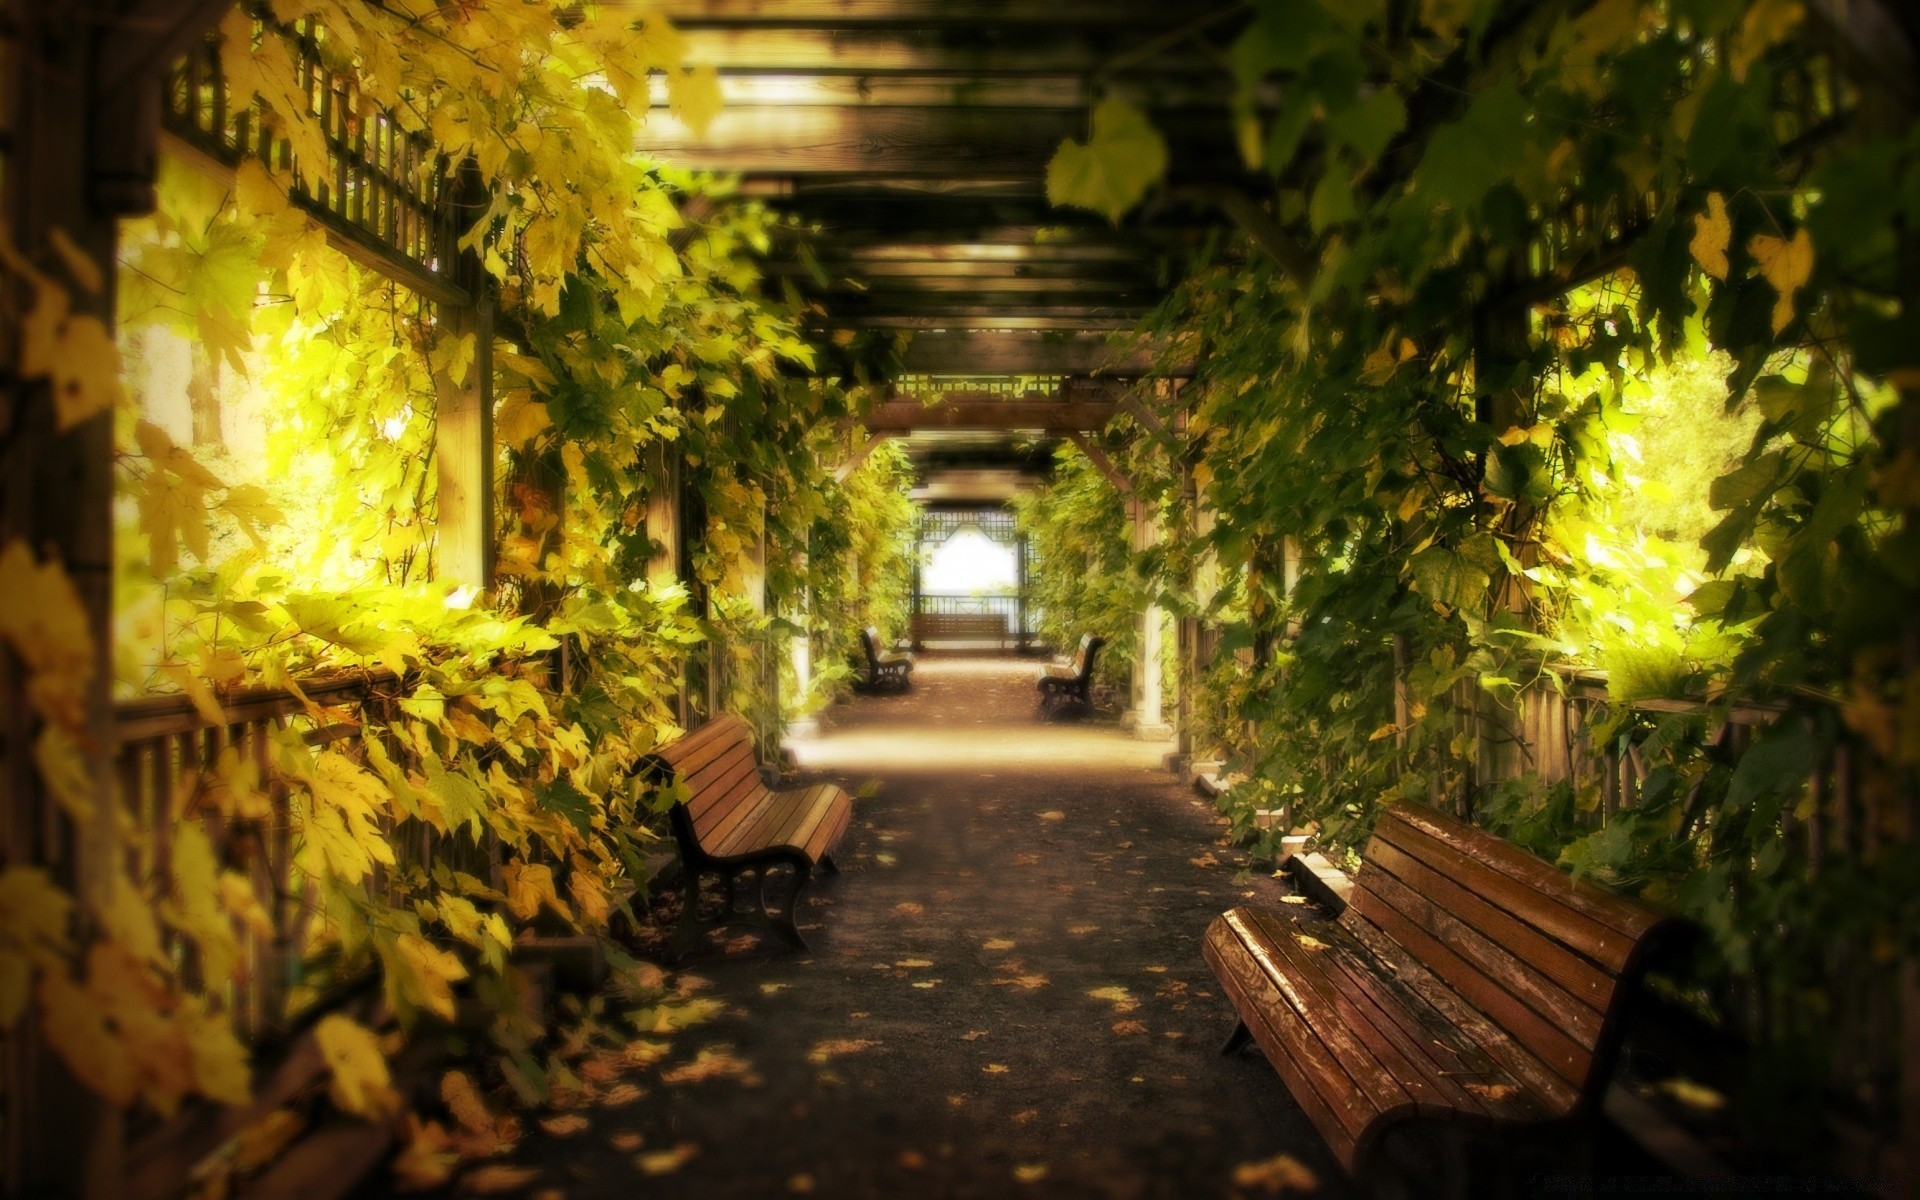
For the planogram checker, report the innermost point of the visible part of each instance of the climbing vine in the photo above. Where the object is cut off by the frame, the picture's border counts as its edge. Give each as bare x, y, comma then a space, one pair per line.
1495, 230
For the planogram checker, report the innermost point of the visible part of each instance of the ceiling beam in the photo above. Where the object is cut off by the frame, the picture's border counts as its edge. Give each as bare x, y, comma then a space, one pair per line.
984, 412
1149, 15
942, 143
985, 320
978, 50
1001, 352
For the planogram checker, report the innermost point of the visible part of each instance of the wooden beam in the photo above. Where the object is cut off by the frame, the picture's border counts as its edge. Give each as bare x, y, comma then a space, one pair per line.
1099, 459
990, 272
917, 14
463, 455
860, 455
1001, 352
985, 320
976, 50
995, 91
940, 143
1279, 245
979, 411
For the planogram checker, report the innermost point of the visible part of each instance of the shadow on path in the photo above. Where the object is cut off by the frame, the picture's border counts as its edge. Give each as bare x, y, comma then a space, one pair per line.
1005, 993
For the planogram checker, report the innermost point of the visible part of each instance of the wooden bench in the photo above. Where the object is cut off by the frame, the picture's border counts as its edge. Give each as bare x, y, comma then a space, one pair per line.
1466, 980
884, 668
968, 627
1070, 680
731, 826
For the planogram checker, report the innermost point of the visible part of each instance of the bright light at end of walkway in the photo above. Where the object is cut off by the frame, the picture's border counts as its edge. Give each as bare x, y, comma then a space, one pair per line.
970, 562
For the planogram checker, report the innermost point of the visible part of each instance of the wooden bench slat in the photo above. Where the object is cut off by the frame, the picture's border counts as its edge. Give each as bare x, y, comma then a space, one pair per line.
1477, 1032
1516, 977
1368, 1059
1346, 1112
1605, 946
767, 823
717, 804
1615, 912
1551, 1046
1572, 971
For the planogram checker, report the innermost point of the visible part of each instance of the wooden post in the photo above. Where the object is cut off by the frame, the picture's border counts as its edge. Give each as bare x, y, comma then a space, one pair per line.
1147, 720
663, 513
463, 451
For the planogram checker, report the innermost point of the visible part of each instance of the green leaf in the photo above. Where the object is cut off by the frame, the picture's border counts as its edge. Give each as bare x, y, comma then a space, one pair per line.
1368, 126
1466, 158
1113, 170
569, 801
1447, 578
1332, 200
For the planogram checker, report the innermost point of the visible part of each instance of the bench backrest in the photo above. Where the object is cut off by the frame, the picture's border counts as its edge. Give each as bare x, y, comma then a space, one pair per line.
1084, 656
870, 642
1542, 956
722, 777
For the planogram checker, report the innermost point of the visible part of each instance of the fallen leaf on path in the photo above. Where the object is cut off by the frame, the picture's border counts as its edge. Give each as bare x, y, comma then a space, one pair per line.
1155, 970
1025, 1115
994, 1069
1124, 846
1025, 860
645, 1052
1030, 1172
1080, 930
626, 1143
481, 1134
802, 1183
1281, 1173
1205, 860
715, 1062
602, 1070
666, 1162
1053, 815
261, 1142
909, 908
1128, 1028
928, 983
835, 1047
565, 1125
773, 989
1293, 899
973, 1035
1025, 983
885, 859
1121, 999
1693, 1095
912, 1160
998, 944
622, 1094
1309, 941
498, 1177
429, 1159
1493, 1091
667, 1018
914, 963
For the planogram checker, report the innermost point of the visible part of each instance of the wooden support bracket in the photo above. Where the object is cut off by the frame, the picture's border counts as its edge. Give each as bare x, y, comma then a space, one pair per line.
859, 456
1099, 458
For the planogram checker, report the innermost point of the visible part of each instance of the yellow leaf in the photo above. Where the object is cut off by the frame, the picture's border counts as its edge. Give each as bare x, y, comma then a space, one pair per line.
1121, 999
529, 885
198, 690
220, 1067
428, 1159
1274, 1175
565, 1125
65, 770
361, 1083
1030, 1172
1693, 1095
1787, 266
521, 419
1308, 941
424, 973
1053, 815
74, 353
666, 1162
693, 95
78, 1030
1712, 233
826, 1051
998, 944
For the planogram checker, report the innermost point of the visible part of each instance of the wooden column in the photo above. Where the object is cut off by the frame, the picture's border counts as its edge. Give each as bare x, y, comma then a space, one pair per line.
663, 513
1147, 720
463, 451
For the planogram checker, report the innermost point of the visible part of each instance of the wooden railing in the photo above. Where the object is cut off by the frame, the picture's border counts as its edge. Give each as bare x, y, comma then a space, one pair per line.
164, 745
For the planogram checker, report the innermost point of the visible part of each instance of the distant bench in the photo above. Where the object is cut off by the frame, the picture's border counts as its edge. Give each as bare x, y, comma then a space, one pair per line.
1466, 979
968, 627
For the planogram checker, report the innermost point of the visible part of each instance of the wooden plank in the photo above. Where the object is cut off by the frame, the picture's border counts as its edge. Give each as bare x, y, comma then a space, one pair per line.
1569, 1058
803, 88
916, 14
939, 143
1566, 1011
1098, 457
1052, 415
1004, 352
960, 271
1576, 974
464, 454
980, 320
975, 50
1622, 914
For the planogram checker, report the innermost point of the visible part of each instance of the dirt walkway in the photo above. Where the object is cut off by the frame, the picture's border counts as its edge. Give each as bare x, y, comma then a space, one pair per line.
1005, 993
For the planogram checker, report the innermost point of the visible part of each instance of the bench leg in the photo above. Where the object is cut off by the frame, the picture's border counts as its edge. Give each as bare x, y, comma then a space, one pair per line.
829, 866
1240, 1036
783, 922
